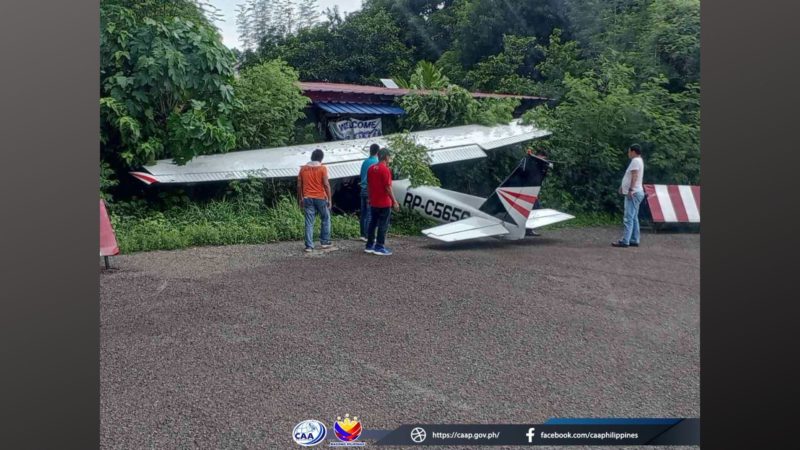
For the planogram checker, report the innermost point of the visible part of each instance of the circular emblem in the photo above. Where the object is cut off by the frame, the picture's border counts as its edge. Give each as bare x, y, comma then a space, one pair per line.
347, 430
309, 433
418, 435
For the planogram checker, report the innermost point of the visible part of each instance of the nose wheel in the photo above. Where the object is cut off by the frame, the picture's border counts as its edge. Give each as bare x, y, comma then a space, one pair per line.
530, 232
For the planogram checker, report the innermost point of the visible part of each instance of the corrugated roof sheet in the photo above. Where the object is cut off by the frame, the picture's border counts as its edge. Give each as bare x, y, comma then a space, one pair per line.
360, 108
315, 86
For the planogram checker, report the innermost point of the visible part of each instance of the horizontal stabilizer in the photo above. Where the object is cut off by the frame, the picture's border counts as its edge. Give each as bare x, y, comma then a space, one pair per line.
543, 217
469, 228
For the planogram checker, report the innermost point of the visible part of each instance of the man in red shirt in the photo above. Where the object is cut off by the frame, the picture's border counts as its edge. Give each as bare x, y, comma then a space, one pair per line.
381, 201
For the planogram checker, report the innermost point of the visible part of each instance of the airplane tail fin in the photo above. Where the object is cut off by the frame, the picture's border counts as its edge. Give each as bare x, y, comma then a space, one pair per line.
514, 199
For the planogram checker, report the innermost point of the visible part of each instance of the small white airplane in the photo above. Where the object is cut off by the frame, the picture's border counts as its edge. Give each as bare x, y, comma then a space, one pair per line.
508, 213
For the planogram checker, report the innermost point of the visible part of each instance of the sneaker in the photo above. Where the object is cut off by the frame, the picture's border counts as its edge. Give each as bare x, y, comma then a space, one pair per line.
383, 251
620, 244
363, 239
369, 249
328, 245
309, 249
634, 244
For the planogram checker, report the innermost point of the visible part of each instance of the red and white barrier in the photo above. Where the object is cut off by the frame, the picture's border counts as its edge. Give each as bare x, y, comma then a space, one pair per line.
671, 203
108, 241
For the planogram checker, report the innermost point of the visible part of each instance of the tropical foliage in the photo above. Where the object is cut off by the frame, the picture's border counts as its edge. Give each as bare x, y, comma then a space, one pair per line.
411, 160
615, 71
165, 83
270, 104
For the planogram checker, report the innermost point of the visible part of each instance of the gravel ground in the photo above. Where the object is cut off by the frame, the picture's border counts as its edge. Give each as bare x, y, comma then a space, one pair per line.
230, 347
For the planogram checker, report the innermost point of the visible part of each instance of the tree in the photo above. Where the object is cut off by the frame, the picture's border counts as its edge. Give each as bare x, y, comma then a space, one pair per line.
509, 71
453, 106
675, 38
244, 25
359, 49
270, 104
308, 13
448, 104
425, 76
260, 20
559, 59
411, 160
165, 83
481, 25
602, 112
653, 36
427, 25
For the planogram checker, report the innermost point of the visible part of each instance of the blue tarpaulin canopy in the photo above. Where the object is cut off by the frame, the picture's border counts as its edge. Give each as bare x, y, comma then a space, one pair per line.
360, 108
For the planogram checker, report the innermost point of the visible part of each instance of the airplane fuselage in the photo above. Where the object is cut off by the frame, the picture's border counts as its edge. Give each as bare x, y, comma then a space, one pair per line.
438, 204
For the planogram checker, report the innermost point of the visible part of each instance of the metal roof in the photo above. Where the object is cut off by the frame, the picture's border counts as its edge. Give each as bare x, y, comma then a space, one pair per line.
342, 88
360, 108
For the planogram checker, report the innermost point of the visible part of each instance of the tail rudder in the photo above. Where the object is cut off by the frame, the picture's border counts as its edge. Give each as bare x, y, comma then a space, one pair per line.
514, 199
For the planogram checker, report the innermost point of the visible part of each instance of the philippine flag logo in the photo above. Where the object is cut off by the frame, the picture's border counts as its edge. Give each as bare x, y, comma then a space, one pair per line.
347, 430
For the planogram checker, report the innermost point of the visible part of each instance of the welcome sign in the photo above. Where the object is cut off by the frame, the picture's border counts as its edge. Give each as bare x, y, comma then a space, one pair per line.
356, 129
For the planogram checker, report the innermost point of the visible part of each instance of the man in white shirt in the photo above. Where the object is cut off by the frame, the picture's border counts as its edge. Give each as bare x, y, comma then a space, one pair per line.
631, 188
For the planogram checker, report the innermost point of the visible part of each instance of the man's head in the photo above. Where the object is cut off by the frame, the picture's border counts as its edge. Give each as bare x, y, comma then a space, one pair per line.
317, 155
634, 151
384, 155
373, 149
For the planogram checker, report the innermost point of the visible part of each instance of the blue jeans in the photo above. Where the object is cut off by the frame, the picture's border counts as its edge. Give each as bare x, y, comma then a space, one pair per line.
312, 207
365, 213
379, 220
631, 218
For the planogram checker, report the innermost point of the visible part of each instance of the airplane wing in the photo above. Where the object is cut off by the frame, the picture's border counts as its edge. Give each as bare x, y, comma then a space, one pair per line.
343, 158
543, 217
469, 228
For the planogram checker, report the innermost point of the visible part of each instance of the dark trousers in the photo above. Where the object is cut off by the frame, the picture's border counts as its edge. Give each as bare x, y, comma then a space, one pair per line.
364, 218
379, 220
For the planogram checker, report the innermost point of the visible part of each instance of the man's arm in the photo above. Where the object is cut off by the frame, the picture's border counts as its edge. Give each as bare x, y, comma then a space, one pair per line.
300, 191
327, 185
388, 189
634, 177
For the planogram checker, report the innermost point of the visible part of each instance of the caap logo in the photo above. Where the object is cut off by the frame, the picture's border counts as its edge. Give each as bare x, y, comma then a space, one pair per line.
309, 433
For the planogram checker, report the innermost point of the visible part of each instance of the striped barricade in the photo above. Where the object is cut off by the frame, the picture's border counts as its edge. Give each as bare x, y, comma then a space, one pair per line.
671, 203
108, 241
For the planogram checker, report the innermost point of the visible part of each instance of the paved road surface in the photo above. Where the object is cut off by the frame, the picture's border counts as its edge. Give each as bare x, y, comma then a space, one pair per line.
229, 347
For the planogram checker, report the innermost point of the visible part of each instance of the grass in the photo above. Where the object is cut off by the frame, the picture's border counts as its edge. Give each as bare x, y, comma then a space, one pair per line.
233, 222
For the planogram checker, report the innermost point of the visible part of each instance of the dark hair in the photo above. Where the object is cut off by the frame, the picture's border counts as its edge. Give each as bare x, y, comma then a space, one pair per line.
384, 153
373, 149
636, 149
317, 155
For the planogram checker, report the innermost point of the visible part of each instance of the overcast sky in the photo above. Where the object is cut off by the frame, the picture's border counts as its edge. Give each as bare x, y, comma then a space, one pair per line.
228, 9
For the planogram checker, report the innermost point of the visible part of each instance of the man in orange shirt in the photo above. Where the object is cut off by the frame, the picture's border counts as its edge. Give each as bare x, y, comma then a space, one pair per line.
314, 192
